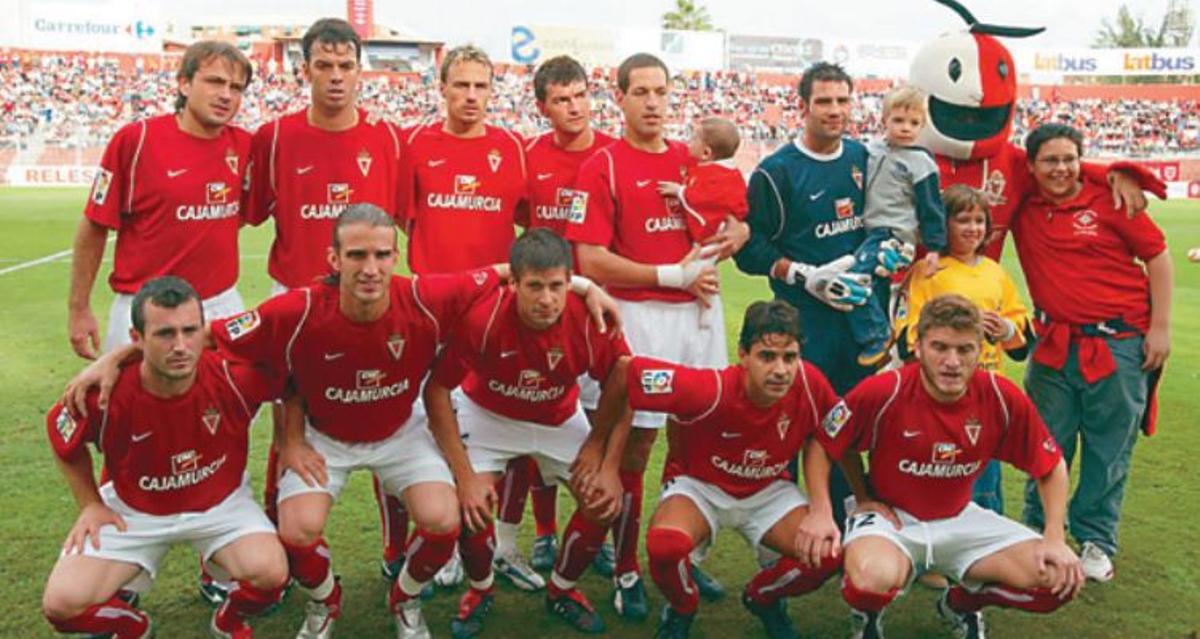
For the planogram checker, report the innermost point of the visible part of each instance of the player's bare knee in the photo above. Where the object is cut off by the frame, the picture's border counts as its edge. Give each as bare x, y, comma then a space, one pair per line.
298, 528
439, 517
871, 573
60, 604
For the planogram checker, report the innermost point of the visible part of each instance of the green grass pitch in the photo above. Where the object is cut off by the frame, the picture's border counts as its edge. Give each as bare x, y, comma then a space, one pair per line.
1156, 592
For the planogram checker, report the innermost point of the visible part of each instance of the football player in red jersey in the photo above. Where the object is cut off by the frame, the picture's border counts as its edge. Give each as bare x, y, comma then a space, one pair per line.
728, 467
560, 87
635, 242
174, 434
929, 429
308, 167
465, 179
171, 187
518, 354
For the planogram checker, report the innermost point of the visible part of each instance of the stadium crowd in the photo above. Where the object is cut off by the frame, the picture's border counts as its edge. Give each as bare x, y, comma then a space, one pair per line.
72, 99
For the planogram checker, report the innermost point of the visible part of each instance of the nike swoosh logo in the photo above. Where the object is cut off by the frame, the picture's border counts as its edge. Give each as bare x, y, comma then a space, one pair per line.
329, 357
642, 183
507, 354
140, 436
727, 435
304, 169
544, 176
436, 163
909, 434
175, 173
816, 196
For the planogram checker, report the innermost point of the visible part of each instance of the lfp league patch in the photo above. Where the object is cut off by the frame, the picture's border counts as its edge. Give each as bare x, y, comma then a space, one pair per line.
657, 381
242, 325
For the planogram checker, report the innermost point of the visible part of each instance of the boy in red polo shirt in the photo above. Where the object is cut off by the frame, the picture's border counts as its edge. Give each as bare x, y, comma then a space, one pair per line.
1101, 284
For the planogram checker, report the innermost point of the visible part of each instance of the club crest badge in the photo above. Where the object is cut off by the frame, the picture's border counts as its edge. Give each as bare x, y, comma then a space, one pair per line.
364, 162
494, 159
231, 160
211, 419
395, 346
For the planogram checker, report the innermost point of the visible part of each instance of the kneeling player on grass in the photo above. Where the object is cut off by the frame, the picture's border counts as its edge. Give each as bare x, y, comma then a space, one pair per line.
518, 354
929, 429
739, 429
174, 434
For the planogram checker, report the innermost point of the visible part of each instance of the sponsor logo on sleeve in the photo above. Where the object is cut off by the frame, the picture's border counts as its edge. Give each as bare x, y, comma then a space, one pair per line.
242, 325
657, 381
65, 425
100, 185
835, 420
1049, 445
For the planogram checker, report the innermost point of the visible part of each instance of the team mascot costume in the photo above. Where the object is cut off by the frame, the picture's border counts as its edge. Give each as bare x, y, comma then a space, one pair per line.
971, 82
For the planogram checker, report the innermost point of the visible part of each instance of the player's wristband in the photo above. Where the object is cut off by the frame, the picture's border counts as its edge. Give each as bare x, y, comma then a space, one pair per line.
580, 285
670, 276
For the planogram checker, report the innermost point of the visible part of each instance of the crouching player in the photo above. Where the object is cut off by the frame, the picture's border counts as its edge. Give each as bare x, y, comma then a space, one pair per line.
174, 435
518, 354
929, 430
728, 467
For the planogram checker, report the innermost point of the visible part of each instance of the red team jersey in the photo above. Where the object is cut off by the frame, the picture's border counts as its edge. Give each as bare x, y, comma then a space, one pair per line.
710, 192
724, 439
358, 380
171, 455
463, 197
553, 198
175, 201
925, 455
305, 177
1081, 253
521, 373
625, 214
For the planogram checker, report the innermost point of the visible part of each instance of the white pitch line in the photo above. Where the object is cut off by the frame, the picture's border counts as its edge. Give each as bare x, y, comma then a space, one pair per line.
61, 254
42, 260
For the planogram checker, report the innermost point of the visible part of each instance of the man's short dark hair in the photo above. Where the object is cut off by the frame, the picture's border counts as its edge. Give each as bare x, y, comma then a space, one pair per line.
775, 317
823, 72
330, 31
539, 249
562, 70
201, 52
635, 62
1051, 131
167, 291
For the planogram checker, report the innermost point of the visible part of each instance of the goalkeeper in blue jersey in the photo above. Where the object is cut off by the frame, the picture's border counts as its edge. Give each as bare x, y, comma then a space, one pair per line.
806, 205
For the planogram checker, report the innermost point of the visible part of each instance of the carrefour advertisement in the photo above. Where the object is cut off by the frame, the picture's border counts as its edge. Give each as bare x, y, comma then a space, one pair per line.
113, 25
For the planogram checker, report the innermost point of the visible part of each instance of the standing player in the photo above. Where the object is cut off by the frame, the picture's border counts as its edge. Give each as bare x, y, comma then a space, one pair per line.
308, 167
518, 354
174, 434
929, 429
465, 185
739, 429
635, 242
560, 86
1103, 324
171, 187
465, 179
